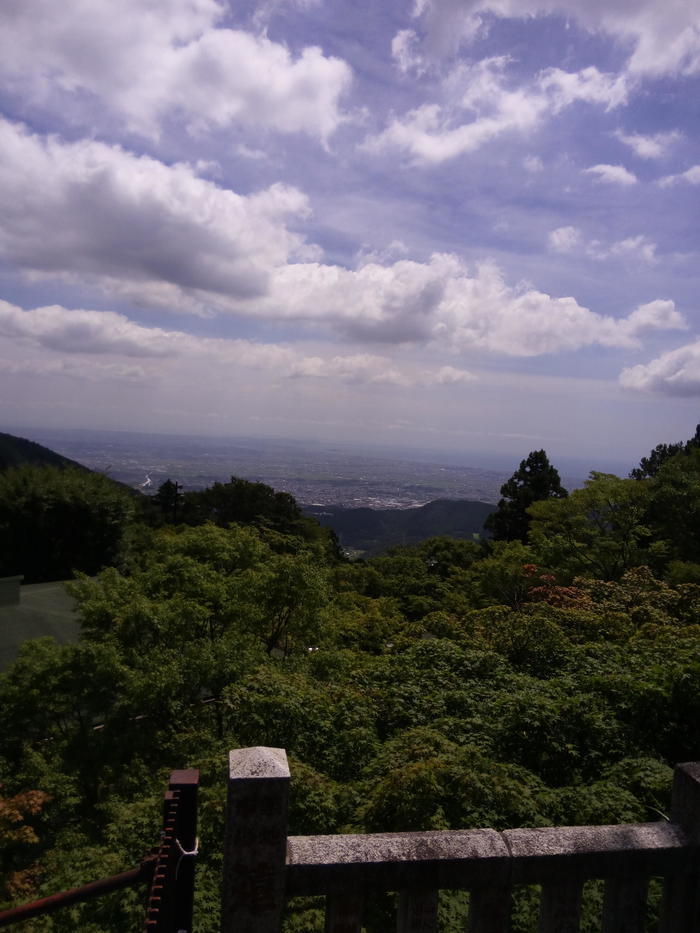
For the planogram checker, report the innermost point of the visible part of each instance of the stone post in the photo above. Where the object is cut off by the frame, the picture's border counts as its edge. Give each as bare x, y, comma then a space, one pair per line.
255, 841
680, 909
10, 590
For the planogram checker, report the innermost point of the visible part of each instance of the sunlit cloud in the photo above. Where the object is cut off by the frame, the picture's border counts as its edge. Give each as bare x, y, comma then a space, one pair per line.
167, 59
675, 373
691, 177
612, 174
570, 241
653, 146
481, 104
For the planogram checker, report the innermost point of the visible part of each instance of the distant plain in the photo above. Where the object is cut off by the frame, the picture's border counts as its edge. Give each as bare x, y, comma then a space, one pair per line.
313, 473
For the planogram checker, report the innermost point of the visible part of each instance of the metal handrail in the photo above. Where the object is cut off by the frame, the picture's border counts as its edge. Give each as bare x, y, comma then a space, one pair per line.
47, 905
168, 870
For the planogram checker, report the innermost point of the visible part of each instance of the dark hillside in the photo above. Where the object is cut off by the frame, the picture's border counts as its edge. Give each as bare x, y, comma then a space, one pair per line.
16, 451
375, 530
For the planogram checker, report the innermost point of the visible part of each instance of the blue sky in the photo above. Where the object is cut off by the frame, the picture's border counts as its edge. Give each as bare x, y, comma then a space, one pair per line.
447, 224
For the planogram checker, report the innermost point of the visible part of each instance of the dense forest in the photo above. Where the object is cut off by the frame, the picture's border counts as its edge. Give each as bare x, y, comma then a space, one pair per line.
547, 674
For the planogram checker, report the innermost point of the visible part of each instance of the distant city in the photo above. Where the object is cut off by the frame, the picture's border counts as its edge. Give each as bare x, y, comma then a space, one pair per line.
313, 474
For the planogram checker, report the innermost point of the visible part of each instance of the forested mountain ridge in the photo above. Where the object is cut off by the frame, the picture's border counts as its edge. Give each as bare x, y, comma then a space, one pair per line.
15, 451
448, 684
374, 530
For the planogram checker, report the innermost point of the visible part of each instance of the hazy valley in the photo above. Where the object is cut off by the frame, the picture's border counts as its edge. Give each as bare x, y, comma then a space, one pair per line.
314, 475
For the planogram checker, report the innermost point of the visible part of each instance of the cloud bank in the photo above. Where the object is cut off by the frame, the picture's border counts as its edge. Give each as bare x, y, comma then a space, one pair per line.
162, 236
676, 373
156, 233
90, 334
147, 62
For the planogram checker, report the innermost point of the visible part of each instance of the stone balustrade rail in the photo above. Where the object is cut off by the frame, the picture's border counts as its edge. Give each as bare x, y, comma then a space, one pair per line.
263, 866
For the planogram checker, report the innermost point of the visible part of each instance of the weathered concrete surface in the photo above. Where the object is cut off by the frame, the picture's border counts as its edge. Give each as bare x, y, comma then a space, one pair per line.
540, 855
461, 859
395, 861
258, 762
253, 894
685, 799
259, 876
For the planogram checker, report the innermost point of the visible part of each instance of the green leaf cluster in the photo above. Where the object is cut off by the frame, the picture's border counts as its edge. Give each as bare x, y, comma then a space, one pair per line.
449, 684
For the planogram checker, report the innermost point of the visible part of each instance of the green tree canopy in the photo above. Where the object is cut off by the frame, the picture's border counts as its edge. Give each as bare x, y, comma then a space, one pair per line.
661, 454
168, 500
675, 504
445, 685
245, 502
535, 479
599, 531
54, 521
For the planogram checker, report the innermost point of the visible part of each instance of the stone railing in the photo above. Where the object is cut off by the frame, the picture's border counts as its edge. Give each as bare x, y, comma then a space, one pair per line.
263, 867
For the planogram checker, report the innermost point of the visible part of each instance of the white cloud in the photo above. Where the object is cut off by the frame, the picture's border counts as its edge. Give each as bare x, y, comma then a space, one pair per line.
649, 147
691, 176
395, 250
450, 375
612, 174
171, 57
434, 133
676, 373
588, 85
639, 247
88, 344
533, 164
570, 240
437, 304
229, 77
404, 53
85, 331
155, 233
654, 315
443, 305
663, 38
89, 332
565, 239
160, 235
73, 332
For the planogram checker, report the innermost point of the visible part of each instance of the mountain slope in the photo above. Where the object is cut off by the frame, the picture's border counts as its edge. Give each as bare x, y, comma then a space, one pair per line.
374, 530
16, 451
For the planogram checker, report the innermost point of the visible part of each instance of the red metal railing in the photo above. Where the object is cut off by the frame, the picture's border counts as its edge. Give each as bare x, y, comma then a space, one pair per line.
168, 870
172, 887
